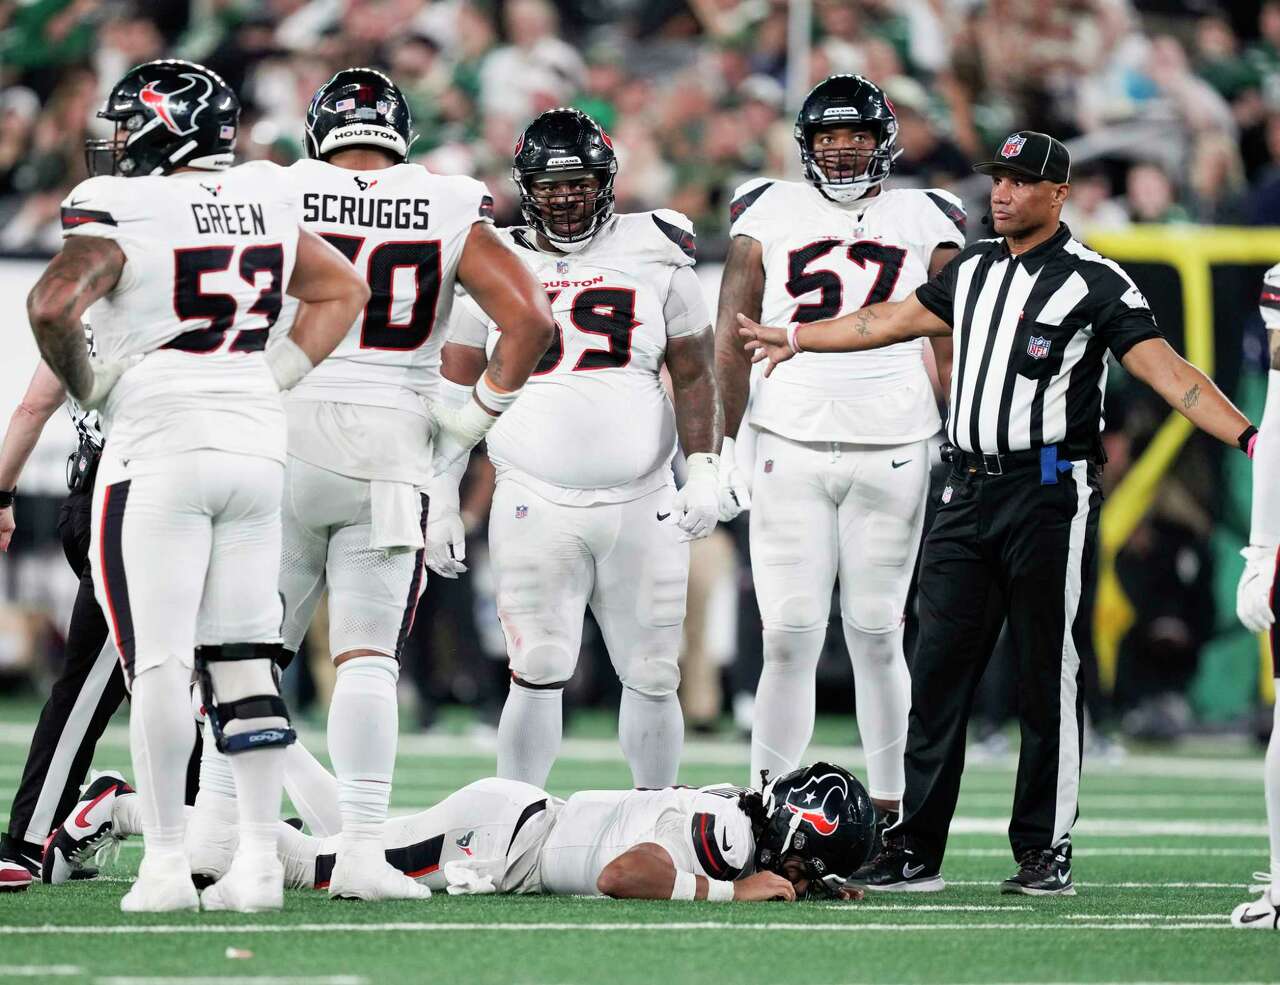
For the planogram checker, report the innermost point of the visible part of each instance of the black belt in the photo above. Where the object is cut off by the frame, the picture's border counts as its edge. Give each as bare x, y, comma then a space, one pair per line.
999, 464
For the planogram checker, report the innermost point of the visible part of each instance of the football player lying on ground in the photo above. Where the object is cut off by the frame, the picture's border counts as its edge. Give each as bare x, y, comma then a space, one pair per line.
801, 837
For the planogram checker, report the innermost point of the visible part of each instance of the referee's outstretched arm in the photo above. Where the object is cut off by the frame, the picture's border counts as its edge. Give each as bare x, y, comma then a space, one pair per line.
44, 395
1188, 391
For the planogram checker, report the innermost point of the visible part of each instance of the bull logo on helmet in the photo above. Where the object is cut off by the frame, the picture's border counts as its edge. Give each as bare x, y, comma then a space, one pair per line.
818, 802
168, 105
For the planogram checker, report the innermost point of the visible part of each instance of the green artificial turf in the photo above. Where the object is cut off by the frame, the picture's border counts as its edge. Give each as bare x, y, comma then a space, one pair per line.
1164, 851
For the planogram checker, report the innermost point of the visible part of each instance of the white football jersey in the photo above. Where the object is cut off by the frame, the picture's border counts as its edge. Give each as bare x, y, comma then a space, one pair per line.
594, 424
703, 829
404, 228
822, 260
208, 255
1269, 301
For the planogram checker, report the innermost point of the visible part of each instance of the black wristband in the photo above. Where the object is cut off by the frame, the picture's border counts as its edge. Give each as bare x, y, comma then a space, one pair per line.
1245, 437
6, 497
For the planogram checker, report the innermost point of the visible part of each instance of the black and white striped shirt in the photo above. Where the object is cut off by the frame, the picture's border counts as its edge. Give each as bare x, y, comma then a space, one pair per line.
1032, 334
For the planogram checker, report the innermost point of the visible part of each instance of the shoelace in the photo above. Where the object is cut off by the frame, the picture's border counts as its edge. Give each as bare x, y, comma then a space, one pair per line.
1264, 882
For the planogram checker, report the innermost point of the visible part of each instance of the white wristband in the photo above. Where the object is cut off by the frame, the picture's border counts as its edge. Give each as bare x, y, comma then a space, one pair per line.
701, 463
287, 362
719, 890
453, 395
792, 341
491, 399
686, 885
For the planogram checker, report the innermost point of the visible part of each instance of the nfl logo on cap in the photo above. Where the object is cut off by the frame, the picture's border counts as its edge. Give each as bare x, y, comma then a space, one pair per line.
1037, 347
1013, 146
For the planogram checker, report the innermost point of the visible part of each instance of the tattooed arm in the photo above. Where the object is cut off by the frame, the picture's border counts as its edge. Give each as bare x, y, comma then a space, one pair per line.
691, 362
86, 269
1186, 389
871, 327
741, 292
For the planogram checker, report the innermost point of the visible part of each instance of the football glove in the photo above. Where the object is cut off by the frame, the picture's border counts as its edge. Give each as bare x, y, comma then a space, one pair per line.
735, 493
446, 533
1253, 593
456, 432
697, 504
106, 373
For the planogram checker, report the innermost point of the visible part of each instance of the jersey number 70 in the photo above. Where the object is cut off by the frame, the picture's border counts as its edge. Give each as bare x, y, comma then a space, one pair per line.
377, 328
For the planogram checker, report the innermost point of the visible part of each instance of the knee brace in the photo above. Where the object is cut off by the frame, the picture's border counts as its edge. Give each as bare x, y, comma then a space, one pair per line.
240, 689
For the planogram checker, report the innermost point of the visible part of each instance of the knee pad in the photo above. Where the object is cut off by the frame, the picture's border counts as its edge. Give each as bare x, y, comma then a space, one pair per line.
240, 690
872, 614
799, 614
653, 677
546, 664
797, 649
369, 666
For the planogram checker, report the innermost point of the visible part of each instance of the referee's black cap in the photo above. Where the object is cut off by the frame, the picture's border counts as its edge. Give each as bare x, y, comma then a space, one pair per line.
1031, 153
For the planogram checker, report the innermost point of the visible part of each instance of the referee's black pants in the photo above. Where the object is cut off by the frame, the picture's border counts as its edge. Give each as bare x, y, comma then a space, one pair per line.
1014, 547
86, 694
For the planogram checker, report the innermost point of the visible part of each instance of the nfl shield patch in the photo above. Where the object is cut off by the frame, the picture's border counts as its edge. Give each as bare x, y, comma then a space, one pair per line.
1013, 146
1037, 347
768, 465
522, 512
562, 267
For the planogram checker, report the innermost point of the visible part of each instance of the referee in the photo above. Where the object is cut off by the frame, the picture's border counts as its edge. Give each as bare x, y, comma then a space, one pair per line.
1034, 315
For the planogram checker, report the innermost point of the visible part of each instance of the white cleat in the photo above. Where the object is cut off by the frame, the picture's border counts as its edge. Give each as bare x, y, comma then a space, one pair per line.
162, 886
254, 883
211, 843
365, 874
1264, 912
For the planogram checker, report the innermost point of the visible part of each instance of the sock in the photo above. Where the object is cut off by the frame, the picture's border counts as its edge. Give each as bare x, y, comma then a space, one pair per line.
363, 728
215, 769
297, 853
883, 701
258, 774
784, 705
1271, 784
529, 733
313, 790
126, 815
651, 733
161, 735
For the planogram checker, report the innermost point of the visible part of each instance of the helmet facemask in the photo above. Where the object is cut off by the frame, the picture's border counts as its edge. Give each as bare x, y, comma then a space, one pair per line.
843, 171
566, 207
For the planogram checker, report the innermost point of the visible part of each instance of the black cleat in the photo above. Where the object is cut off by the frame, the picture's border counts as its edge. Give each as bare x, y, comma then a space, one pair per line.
87, 829
1041, 872
23, 853
895, 869
884, 821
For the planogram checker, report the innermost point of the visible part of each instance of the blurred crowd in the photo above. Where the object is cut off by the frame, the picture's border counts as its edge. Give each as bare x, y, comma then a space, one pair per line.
1171, 107
1177, 105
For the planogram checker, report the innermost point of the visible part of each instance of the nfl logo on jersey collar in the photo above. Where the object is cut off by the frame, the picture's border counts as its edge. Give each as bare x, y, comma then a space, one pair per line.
1038, 347
562, 267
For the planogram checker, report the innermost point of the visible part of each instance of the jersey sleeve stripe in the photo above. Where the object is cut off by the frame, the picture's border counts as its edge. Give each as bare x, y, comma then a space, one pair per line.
744, 201
71, 218
707, 849
419, 859
952, 211
681, 237
1269, 299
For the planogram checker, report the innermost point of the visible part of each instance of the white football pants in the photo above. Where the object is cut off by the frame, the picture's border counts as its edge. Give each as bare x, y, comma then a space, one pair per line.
822, 512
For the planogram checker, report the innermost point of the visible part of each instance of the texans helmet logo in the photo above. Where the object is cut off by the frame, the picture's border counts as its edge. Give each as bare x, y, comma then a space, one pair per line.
169, 106
811, 802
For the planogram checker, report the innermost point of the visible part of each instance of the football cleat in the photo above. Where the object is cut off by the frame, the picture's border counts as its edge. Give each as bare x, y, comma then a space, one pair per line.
1041, 872
163, 886
86, 831
14, 876
1264, 912
365, 874
254, 883
884, 821
896, 869
20, 853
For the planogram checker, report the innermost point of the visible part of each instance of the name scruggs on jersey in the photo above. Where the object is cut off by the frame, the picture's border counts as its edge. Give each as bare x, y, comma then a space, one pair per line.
376, 213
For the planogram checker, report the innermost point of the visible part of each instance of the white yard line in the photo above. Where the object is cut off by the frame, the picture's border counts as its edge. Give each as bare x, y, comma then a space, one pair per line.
1129, 827
870, 904
607, 928
235, 979
1119, 885
38, 970
1092, 851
